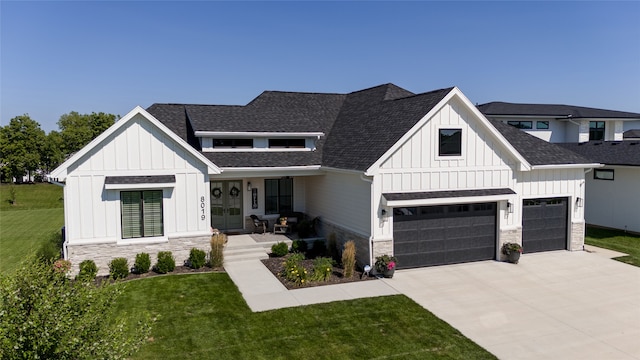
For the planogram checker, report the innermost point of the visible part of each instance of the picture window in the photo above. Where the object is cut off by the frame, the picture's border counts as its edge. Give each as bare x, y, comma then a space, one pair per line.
141, 214
542, 125
450, 142
521, 124
603, 174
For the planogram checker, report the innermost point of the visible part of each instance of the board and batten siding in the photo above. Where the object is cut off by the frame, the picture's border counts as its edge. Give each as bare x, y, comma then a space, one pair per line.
416, 166
138, 149
342, 199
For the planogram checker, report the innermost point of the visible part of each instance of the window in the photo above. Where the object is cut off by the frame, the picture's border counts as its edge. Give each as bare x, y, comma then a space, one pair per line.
286, 143
450, 142
542, 125
141, 213
232, 143
278, 196
603, 174
596, 130
521, 124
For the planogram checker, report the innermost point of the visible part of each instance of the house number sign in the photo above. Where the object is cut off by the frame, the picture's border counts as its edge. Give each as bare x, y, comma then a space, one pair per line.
202, 208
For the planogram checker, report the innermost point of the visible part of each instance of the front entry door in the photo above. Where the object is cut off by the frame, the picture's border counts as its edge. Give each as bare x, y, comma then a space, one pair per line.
226, 204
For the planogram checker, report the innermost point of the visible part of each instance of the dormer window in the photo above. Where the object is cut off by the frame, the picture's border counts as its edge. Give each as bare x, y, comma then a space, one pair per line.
286, 143
232, 143
596, 130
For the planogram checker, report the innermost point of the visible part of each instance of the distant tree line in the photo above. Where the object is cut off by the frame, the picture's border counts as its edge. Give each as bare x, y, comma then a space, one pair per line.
25, 148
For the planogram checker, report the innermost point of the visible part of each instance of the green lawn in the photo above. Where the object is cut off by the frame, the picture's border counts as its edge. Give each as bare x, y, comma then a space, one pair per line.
37, 215
616, 240
203, 316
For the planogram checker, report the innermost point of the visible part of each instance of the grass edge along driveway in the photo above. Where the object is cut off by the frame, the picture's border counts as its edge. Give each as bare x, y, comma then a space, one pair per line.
205, 316
615, 240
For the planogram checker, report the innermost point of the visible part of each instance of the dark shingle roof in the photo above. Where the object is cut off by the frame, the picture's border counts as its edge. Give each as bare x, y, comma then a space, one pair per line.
631, 134
371, 121
447, 194
264, 159
537, 151
560, 111
608, 152
175, 118
145, 179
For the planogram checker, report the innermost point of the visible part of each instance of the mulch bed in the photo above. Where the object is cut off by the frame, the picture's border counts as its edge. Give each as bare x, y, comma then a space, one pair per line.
151, 273
276, 266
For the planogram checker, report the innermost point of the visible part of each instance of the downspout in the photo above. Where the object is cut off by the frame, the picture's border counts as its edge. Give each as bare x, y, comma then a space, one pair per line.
371, 229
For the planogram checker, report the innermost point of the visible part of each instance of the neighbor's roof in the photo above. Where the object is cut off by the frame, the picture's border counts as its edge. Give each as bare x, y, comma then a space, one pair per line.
560, 111
631, 134
608, 152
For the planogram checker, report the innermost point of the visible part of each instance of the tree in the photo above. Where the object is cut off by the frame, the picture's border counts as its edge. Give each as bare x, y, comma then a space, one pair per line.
20, 145
45, 315
77, 130
52, 155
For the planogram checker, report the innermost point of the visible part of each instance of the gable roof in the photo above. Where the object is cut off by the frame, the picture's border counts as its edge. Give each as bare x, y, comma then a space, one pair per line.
60, 173
358, 127
559, 111
626, 153
537, 151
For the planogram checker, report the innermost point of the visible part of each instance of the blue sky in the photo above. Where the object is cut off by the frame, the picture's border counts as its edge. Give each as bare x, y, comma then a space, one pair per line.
57, 57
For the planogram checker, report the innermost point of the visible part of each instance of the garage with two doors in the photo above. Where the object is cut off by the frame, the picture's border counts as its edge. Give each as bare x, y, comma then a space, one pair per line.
457, 233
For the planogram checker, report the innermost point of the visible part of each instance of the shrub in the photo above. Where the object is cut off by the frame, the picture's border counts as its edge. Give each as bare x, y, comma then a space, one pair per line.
118, 268
51, 329
333, 247
197, 258
319, 248
280, 249
293, 269
216, 256
322, 269
299, 246
62, 266
88, 271
349, 258
143, 263
166, 263
51, 249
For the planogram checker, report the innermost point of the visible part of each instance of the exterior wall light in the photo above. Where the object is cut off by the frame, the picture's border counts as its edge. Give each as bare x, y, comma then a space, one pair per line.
579, 202
510, 207
249, 186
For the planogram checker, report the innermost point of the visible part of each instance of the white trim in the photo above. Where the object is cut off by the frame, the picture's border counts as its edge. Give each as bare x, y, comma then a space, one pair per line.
566, 166
342, 171
138, 186
264, 172
251, 150
448, 200
245, 134
143, 240
455, 92
464, 128
60, 173
276, 168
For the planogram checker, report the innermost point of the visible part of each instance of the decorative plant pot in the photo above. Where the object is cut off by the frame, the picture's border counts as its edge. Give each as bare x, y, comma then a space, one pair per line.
388, 273
283, 222
513, 257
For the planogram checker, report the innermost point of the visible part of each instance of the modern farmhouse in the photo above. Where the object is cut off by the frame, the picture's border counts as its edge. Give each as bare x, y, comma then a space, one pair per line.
426, 177
604, 136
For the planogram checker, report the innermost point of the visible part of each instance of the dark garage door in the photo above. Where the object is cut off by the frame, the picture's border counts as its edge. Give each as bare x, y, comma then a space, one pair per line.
447, 234
544, 225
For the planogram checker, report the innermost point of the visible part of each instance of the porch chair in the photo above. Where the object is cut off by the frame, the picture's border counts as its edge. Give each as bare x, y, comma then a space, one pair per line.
259, 225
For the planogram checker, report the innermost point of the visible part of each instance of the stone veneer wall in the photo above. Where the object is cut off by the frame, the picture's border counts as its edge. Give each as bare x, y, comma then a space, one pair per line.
513, 235
342, 236
577, 236
103, 253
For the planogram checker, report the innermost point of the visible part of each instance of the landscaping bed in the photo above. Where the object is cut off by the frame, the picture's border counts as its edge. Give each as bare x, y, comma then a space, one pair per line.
277, 265
151, 273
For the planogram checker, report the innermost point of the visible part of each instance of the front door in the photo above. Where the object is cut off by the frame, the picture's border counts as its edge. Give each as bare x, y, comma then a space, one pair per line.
226, 204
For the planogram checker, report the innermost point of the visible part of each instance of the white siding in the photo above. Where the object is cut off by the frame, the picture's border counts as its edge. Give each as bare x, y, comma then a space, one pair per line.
616, 203
342, 199
416, 166
136, 149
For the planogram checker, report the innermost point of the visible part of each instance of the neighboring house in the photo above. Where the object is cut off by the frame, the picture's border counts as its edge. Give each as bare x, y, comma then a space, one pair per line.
425, 177
603, 136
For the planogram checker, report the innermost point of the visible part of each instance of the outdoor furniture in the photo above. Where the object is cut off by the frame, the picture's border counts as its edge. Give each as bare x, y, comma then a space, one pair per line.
259, 225
280, 229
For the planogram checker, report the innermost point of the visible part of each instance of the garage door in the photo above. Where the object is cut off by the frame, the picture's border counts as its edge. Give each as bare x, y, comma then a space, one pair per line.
544, 224
448, 234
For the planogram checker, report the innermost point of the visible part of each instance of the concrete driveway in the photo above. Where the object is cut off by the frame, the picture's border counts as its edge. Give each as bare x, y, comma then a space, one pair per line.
553, 305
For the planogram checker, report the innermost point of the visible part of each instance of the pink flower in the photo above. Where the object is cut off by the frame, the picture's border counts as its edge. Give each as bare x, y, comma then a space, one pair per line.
391, 265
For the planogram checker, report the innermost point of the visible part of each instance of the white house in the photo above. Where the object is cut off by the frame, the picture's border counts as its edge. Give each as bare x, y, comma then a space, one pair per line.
604, 136
426, 177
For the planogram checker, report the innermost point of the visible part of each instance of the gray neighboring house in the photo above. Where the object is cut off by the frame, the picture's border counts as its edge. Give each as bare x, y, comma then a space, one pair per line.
425, 177
604, 136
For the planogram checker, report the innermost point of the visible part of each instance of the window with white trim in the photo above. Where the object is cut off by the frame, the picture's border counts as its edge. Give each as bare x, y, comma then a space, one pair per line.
603, 174
141, 214
278, 196
450, 142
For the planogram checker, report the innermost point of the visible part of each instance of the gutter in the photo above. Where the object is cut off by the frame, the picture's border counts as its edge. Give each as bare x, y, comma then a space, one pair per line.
566, 166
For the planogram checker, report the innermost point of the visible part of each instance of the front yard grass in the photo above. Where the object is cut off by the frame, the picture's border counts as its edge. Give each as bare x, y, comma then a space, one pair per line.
203, 316
616, 240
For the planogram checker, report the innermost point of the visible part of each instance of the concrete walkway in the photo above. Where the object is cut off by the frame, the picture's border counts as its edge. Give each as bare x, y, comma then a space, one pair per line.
552, 305
263, 291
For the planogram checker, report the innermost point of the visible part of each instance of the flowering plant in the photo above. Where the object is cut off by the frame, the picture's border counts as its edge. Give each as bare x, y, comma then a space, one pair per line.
62, 266
385, 262
508, 248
